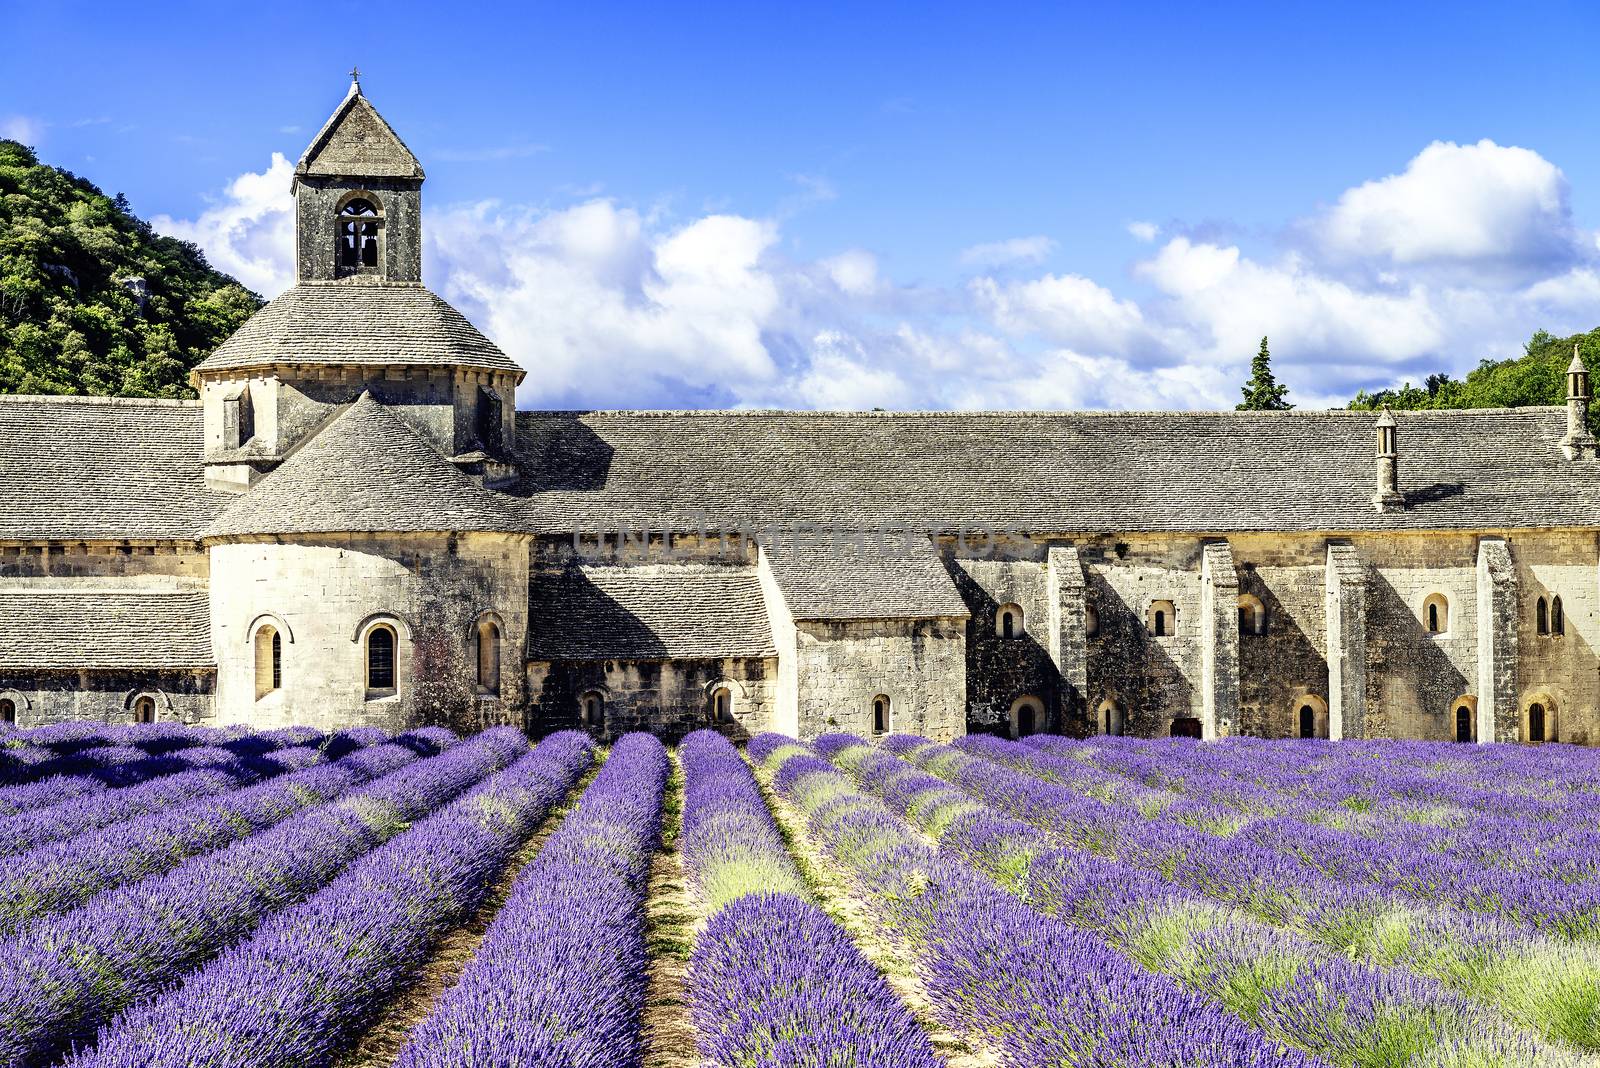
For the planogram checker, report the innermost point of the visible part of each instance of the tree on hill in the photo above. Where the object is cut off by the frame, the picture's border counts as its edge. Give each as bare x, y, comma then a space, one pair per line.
92, 300
1262, 393
1538, 376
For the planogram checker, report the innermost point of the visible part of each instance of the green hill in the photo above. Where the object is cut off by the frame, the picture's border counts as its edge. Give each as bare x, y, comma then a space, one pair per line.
1538, 376
94, 301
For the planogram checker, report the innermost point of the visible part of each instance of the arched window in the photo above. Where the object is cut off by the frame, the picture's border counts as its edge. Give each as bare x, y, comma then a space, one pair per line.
722, 705
1111, 718
269, 661
1536, 722
8, 710
381, 658
1027, 717
1163, 618
592, 709
1308, 721
1541, 617
1008, 621
144, 710
882, 718
1558, 622
1463, 722
1436, 614
488, 650
1091, 622
359, 223
1252, 615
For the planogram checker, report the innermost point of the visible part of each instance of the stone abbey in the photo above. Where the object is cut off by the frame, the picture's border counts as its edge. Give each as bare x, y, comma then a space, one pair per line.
355, 525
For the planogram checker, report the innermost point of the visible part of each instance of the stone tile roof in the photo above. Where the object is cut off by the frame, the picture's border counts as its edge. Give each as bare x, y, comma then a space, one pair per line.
889, 578
363, 323
650, 612
1050, 472
357, 142
75, 626
366, 470
97, 468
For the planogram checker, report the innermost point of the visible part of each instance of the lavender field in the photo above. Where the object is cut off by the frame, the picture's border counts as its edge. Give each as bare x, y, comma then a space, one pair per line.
180, 896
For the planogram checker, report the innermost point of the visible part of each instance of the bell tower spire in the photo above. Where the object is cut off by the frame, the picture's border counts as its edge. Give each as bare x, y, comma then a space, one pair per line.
358, 199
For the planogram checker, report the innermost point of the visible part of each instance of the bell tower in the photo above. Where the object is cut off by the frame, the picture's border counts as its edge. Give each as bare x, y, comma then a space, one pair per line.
358, 199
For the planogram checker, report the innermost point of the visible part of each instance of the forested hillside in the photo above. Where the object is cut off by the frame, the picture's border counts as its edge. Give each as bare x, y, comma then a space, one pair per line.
1538, 376
94, 301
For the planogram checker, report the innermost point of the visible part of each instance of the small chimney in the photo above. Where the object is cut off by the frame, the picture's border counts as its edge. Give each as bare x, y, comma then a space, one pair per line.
1388, 498
1579, 444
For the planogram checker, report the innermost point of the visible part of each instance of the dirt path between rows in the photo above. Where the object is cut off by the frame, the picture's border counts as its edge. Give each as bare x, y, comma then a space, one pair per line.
672, 917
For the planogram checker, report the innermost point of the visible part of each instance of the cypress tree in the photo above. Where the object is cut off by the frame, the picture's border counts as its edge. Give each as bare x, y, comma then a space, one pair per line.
1262, 393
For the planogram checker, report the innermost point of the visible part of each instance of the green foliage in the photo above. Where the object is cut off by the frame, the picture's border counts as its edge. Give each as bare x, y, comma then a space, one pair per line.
71, 317
1262, 393
1537, 377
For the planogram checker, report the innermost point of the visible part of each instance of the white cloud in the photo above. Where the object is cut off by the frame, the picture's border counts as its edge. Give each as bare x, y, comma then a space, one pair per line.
22, 128
854, 271
1483, 207
249, 231
1013, 252
1064, 309
1144, 231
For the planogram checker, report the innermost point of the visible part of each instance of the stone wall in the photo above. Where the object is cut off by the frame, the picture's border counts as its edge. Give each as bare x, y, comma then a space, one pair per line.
1001, 671
316, 207
666, 697
157, 562
42, 697
1561, 671
320, 591
920, 665
1280, 668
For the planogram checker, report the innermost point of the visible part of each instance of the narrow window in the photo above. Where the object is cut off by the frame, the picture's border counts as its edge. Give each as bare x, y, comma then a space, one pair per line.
488, 642
144, 710
269, 661
1536, 722
488, 419
1558, 622
380, 658
1163, 618
1008, 626
1541, 616
8, 710
880, 715
591, 710
1161, 623
1308, 721
358, 235
1436, 614
1463, 723
722, 706
1091, 622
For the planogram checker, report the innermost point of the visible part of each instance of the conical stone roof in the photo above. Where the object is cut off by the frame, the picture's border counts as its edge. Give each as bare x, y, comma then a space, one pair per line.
373, 324
366, 471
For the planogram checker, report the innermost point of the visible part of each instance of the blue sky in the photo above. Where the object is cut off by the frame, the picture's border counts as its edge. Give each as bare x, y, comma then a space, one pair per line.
1059, 205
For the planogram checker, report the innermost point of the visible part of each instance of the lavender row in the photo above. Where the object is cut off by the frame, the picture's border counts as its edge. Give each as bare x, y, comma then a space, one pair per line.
90, 748
67, 873
1037, 992
59, 788
312, 977
1528, 898
1292, 989
774, 979
560, 976
1501, 806
216, 771
70, 974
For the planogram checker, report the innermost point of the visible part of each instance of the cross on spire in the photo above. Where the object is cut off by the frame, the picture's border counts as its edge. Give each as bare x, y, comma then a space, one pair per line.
355, 75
